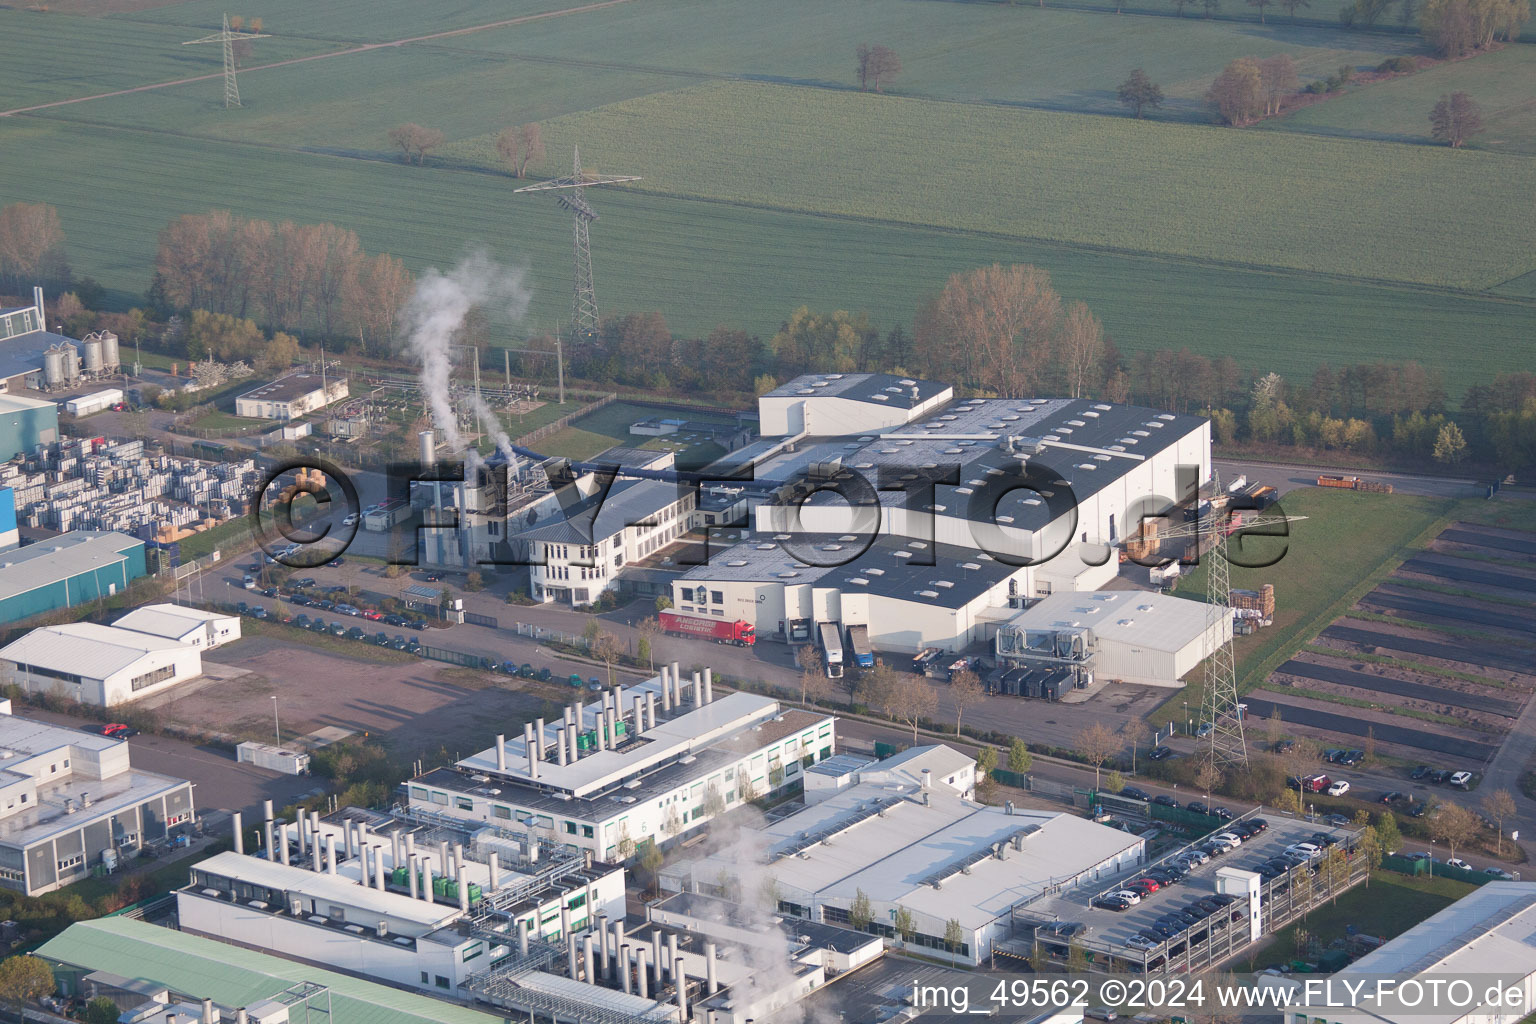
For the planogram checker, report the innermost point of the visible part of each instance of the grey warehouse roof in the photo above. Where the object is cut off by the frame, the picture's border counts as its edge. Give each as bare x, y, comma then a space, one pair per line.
588, 521
23, 353
286, 389
860, 387
59, 558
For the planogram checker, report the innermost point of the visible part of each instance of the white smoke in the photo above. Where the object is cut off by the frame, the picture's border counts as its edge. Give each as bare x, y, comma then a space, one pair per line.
743, 846
434, 324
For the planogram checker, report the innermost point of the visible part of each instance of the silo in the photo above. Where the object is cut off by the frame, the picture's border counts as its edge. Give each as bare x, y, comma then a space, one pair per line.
109, 358
92, 348
53, 367
71, 361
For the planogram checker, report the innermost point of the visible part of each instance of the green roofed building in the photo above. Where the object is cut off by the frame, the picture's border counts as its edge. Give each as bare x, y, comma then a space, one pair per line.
115, 956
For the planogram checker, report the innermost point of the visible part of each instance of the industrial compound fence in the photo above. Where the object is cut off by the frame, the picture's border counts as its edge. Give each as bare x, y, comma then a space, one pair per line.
558, 636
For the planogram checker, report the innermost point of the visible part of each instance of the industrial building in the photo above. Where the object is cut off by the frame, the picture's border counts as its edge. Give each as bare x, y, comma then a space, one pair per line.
191, 626
1121, 635
1488, 934
65, 571
26, 423
98, 665
290, 397
649, 763
70, 801
916, 516
31, 356
149, 971
906, 838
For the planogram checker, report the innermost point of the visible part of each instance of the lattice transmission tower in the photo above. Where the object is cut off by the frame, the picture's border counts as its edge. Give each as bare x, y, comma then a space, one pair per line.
1226, 744
227, 38
571, 197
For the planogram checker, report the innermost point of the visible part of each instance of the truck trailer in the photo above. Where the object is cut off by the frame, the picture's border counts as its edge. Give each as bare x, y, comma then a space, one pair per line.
721, 631
831, 650
858, 644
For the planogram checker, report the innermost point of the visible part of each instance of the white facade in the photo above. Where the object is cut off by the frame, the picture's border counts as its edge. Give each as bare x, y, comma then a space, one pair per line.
341, 920
825, 404
579, 567
191, 626
1143, 638
100, 665
659, 786
290, 397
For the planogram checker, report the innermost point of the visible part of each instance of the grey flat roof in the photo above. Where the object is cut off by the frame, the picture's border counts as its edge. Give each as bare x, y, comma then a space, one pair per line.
48, 817
894, 567
286, 389
61, 557
588, 521
23, 353
895, 391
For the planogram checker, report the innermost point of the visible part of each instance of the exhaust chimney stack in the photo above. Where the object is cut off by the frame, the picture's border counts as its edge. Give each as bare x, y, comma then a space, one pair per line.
501, 751
522, 938
711, 985
680, 984
698, 690
427, 441
239, 832
666, 690
709, 686
538, 739
330, 854
494, 863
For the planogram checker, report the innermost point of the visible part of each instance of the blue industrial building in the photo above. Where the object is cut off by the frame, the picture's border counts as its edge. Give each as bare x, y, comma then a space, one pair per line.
26, 423
67, 570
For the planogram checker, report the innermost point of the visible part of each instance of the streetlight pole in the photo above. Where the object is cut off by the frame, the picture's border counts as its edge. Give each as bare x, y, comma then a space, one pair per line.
277, 730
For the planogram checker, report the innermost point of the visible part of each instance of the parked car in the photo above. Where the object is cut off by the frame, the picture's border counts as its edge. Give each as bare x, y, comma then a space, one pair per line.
336, 562
1461, 779
1212, 848
1416, 810
1441, 775
1309, 850
356, 633
260, 613
1206, 728
1422, 771
1393, 797
1230, 840
1142, 942
111, 728
1457, 862
1164, 800
1336, 820
1351, 757
1222, 813
1135, 794
1508, 876
1316, 783
372, 615
1114, 902
1338, 787
1197, 806
1258, 823
1160, 753
1284, 746
1166, 875
1196, 857
1130, 895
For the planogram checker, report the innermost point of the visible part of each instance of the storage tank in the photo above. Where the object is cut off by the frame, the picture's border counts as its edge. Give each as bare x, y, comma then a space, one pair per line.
53, 367
92, 347
109, 357
71, 361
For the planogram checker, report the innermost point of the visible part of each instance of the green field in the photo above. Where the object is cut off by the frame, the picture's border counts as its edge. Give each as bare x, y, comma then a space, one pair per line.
763, 193
1388, 905
1347, 543
1115, 183
1502, 83
705, 264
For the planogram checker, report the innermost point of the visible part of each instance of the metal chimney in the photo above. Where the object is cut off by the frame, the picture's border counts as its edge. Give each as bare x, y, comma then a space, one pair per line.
711, 985
378, 869
538, 739
330, 854
677, 685
698, 690
236, 830
641, 987
410, 874
709, 686
560, 745
666, 690
427, 441
680, 984
624, 966
522, 937
494, 863
588, 959
501, 751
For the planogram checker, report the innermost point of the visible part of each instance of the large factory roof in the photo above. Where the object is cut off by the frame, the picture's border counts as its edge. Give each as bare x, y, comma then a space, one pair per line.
1157, 622
167, 620
60, 558
236, 977
289, 388
894, 567
21, 403
1491, 930
873, 388
85, 649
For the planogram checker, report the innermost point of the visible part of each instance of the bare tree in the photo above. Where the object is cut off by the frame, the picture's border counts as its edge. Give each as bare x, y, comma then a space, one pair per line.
861, 55
607, 649
380, 289
1499, 806
912, 700
1237, 94
965, 690
1139, 92
998, 323
1278, 79
1081, 349
1134, 731
415, 141
1455, 119
1292, 6
649, 629
1096, 744
813, 681
1454, 825
880, 66
1208, 778
31, 244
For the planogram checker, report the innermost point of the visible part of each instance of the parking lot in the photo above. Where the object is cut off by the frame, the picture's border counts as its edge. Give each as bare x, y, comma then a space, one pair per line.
1109, 931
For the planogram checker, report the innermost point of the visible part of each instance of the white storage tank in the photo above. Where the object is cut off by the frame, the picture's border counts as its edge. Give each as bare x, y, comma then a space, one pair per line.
109, 357
53, 367
71, 361
92, 349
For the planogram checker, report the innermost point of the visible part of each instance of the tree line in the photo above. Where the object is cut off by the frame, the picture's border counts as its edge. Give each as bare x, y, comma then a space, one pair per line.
31, 247
306, 279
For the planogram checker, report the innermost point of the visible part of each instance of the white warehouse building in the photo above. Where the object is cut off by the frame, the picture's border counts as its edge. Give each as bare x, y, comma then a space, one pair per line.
916, 517
1132, 636
100, 665
191, 626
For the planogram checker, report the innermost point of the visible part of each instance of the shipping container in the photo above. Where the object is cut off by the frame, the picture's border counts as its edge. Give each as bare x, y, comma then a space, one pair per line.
265, 755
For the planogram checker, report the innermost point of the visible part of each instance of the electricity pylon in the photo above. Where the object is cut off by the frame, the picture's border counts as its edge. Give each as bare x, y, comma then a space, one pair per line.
1226, 743
227, 38
584, 299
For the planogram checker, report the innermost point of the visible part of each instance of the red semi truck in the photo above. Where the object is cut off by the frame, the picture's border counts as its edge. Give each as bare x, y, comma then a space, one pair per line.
720, 631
